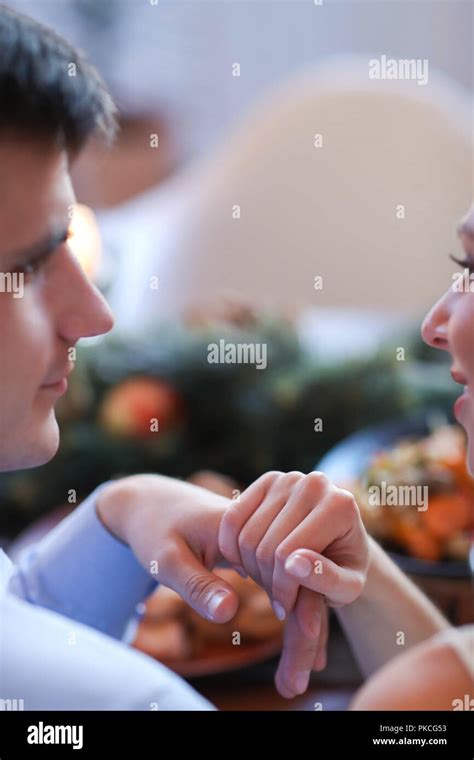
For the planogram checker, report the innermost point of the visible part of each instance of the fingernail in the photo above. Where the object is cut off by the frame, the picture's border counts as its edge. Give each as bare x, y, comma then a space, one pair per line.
301, 682
215, 603
279, 610
298, 566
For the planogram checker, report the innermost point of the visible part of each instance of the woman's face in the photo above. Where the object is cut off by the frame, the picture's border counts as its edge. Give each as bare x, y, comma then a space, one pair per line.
450, 326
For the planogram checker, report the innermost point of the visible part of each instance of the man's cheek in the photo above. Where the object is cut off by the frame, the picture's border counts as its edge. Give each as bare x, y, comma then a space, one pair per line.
31, 346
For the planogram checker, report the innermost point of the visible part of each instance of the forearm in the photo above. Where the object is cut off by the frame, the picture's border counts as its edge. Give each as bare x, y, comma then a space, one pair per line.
81, 571
134, 521
390, 616
172, 529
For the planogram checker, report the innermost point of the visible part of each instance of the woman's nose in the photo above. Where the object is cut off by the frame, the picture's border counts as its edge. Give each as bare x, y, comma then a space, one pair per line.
434, 329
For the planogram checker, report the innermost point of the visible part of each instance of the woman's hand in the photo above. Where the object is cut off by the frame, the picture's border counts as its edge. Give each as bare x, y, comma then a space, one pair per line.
289, 530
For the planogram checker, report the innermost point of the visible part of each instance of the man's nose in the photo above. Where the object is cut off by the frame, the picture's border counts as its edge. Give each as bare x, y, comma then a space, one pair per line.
84, 312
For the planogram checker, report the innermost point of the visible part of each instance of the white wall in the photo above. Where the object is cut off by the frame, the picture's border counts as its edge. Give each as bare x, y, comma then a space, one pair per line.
178, 54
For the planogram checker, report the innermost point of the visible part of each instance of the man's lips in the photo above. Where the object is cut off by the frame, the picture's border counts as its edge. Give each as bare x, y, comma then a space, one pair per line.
59, 383
59, 387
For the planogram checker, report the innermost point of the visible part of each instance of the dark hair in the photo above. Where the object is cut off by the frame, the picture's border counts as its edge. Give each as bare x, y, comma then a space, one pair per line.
48, 90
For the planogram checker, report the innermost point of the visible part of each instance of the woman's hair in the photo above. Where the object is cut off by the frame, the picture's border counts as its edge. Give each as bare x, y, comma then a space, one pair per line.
48, 90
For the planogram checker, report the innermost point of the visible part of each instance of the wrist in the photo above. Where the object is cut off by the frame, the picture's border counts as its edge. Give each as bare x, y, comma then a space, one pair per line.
111, 506
128, 507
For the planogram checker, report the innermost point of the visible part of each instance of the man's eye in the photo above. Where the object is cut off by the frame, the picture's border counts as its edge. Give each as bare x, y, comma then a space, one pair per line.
31, 268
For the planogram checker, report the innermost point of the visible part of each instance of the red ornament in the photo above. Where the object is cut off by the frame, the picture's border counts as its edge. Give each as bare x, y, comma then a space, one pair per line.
141, 406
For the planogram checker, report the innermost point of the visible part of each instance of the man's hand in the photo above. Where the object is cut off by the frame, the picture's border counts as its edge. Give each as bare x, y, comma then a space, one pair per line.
289, 530
172, 527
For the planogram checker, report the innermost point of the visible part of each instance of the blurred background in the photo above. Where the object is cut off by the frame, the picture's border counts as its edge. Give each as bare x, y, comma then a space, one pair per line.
272, 144
264, 189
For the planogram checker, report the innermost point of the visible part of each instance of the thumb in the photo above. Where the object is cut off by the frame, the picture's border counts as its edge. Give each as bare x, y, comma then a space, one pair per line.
210, 596
340, 585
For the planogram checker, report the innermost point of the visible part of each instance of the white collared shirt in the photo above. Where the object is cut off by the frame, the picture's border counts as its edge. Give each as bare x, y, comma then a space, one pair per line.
63, 611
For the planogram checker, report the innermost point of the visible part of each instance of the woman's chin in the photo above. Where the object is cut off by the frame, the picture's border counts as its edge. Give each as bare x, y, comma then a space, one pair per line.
470, 451
470, 461
465, 417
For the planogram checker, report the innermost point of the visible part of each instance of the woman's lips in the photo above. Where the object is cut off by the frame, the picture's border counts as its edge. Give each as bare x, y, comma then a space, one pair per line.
458, 377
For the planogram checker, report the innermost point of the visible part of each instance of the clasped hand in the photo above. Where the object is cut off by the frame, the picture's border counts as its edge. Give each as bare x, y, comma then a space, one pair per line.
298, 536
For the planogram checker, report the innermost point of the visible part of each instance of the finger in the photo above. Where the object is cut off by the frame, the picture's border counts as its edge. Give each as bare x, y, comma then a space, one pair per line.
299, 649
315, 532
321, 655
253, 532
257, 547
339, 584
302, 496
310, 610
237, 515
208, 594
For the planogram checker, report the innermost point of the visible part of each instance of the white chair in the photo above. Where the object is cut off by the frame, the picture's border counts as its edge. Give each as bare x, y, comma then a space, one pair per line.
305, 211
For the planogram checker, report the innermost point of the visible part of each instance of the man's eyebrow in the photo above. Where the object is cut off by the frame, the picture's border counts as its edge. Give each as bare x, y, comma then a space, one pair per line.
42, 247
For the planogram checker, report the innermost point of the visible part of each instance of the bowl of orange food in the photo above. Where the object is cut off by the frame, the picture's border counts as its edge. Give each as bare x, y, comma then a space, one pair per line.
414, 491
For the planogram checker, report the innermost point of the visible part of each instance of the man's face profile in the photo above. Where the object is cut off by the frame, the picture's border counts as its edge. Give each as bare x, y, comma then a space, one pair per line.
46, 302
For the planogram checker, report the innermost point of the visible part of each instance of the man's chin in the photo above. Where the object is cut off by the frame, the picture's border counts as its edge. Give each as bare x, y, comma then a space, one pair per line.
36, 448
